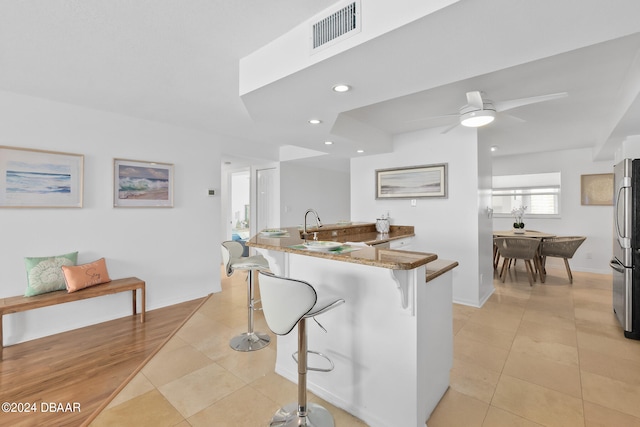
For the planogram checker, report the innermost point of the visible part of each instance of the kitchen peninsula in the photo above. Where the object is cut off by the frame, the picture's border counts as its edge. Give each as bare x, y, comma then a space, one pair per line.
392, 342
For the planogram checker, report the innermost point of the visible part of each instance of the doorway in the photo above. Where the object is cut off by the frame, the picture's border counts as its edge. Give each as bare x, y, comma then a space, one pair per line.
267, 199
240, 204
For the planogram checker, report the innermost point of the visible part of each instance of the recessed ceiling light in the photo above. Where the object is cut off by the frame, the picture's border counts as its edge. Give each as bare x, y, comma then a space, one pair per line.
341, 88
360, 151
494, 148
315, 121
328, 143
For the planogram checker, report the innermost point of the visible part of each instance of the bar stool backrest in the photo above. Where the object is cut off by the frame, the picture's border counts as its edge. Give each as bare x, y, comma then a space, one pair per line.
285, 301
230, 250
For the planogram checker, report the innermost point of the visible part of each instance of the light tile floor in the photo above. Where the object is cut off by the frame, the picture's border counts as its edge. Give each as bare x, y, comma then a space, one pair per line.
547, 355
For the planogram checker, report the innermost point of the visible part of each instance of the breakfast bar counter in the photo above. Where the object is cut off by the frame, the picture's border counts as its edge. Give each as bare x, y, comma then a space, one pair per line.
391, 342
355, 248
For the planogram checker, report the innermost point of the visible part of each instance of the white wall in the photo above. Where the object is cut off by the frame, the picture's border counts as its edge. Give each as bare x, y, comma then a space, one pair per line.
175, 250
595, 222
304, 187
485, 222
456, 228
629, 148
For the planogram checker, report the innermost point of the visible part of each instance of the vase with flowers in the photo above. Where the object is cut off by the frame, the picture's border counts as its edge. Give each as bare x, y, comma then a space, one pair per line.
518, 214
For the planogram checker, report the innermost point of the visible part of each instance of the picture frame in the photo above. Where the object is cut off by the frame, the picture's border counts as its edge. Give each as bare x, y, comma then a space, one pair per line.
412, 182
139, 183
596, 189
31, 178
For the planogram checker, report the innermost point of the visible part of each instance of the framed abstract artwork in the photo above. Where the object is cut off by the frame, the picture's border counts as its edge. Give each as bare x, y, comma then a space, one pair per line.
596, 189
412, 182
142, 184
40, 179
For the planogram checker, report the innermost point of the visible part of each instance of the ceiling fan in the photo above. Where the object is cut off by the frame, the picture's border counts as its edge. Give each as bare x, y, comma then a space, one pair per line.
480, 111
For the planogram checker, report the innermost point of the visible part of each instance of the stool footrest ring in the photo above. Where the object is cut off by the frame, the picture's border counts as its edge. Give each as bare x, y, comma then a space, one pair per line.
310, 368
253, 305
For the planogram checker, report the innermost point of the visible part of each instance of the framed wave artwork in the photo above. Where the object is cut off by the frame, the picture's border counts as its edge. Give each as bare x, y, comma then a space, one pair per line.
412, 182
142, 184
40, 179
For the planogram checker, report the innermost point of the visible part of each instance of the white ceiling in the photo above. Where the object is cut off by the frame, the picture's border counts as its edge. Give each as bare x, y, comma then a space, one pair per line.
592, 77
178, 62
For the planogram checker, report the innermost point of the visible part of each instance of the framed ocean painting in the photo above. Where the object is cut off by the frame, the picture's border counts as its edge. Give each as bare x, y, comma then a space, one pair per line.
412, 182
142, 184
40, 179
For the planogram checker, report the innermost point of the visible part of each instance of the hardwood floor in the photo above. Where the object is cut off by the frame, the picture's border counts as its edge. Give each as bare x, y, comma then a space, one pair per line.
64, 378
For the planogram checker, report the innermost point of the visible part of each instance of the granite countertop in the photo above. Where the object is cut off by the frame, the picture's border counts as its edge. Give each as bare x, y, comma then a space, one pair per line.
361, 232
439, 267
357, 233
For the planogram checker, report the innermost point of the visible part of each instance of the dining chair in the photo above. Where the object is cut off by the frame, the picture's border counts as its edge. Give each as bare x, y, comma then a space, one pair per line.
514, 248
561, 247
496, 255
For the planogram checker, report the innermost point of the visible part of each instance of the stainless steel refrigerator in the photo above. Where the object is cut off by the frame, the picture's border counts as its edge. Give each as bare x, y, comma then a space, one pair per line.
626, 246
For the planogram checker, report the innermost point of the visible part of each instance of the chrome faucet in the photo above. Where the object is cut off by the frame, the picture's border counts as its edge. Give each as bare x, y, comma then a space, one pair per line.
318, 222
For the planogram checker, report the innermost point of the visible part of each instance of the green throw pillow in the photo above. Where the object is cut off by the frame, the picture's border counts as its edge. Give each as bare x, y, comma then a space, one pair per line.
44, 274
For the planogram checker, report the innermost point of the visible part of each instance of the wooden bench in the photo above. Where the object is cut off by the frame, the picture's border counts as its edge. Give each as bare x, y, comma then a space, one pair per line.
22, 303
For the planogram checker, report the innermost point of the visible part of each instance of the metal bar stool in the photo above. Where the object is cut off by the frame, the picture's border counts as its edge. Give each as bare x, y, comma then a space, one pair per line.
233, 260
287, 303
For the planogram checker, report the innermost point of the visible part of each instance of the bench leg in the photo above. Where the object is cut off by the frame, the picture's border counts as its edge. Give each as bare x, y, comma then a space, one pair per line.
142, 304
135, 303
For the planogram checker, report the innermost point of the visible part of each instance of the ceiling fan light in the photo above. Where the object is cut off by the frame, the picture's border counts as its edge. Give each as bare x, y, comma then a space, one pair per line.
474, 119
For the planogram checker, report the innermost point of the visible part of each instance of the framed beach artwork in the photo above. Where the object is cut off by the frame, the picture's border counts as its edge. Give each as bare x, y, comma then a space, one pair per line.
412, 182
40, 179
142, 184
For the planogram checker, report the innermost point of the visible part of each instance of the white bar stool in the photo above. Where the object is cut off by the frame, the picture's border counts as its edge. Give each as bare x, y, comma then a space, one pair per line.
233, 260
287, 303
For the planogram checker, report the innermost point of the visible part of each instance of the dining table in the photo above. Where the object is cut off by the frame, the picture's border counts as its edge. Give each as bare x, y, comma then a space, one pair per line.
523, 233
526, 233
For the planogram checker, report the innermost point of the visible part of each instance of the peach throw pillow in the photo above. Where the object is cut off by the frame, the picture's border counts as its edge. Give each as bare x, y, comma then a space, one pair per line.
82, 276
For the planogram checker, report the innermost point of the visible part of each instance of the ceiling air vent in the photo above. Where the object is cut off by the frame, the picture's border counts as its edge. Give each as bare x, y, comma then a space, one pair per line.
339, 25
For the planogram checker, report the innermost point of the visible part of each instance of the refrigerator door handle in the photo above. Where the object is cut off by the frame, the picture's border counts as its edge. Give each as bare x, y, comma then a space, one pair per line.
623, 241
616, 265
